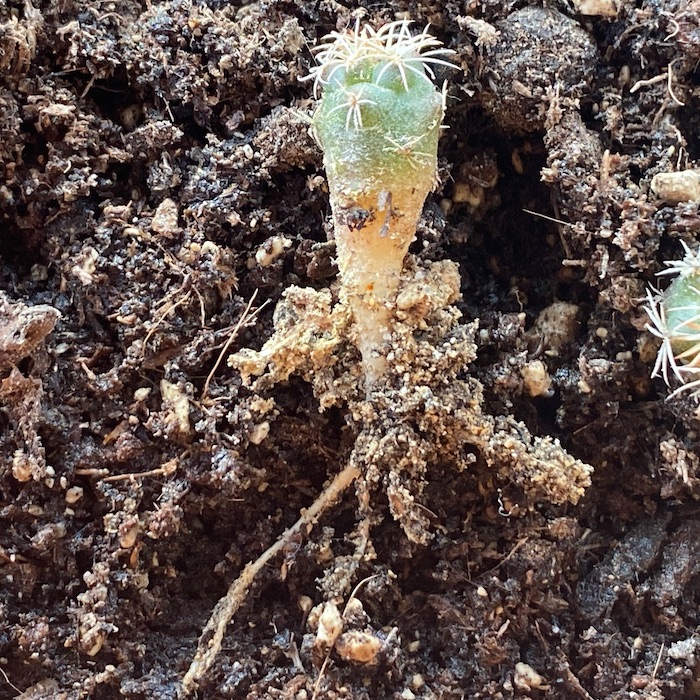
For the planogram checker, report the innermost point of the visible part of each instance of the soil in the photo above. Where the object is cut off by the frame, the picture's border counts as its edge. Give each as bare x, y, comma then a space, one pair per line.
178, 381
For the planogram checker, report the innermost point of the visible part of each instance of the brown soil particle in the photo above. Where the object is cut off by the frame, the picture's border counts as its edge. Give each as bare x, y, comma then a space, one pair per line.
511, 513
538, 57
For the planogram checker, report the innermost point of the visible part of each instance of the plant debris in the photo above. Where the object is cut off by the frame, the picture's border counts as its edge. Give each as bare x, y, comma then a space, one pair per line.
179, 382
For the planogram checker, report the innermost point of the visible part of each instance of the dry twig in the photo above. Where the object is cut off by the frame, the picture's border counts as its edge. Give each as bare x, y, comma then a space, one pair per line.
247, 317
213, 633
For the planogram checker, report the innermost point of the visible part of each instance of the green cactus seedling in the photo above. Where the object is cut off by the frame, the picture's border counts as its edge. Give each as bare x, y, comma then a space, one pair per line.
674, 317
378, 123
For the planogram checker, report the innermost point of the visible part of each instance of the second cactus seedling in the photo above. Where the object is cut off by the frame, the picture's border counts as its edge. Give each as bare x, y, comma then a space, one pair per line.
674, 316
378, 123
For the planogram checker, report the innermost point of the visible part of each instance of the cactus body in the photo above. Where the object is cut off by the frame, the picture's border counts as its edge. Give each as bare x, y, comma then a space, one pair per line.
674, 317
378, 123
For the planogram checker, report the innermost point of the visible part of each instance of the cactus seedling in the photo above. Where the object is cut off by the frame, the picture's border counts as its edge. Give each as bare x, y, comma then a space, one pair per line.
378, 123
674, 316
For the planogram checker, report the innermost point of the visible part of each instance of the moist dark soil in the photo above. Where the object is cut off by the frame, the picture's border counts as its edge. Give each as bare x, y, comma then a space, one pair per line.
161, 196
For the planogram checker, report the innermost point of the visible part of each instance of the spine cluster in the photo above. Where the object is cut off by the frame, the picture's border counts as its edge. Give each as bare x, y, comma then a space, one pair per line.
674, 317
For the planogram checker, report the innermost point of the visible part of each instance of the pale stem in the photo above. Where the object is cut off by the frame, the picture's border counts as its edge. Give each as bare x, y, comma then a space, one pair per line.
370, 260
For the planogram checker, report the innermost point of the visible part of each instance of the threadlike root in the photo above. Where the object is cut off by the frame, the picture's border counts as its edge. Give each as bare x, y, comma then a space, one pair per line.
212, 635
